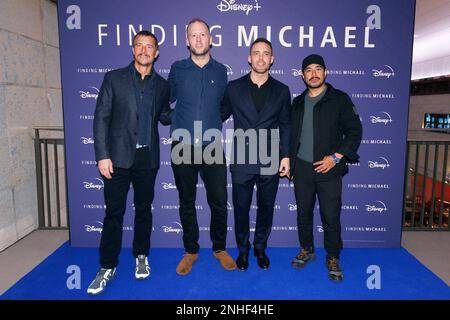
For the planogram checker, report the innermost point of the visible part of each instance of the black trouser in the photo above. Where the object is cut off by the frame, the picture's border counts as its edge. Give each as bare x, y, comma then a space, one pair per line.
142, 176
266, 193
214, 177
308, 184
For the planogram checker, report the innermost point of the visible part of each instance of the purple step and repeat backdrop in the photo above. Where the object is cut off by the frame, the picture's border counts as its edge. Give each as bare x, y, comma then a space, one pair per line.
367, 46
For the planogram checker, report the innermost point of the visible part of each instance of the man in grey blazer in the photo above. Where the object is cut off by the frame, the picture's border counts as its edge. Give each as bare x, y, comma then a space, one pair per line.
131, 102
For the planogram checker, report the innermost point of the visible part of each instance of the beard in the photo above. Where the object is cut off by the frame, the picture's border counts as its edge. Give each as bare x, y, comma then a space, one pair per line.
258, 69
199, 53
314, 85
139, 60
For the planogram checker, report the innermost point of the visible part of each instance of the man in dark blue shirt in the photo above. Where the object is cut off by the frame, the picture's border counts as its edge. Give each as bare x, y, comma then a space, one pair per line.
197, 85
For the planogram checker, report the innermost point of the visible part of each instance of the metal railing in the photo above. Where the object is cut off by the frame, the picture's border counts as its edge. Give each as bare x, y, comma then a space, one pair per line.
427, 183
50, 178
427, 190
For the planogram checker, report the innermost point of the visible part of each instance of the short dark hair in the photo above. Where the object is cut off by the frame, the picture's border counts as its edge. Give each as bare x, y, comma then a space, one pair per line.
146, 33
264, 40
197, 20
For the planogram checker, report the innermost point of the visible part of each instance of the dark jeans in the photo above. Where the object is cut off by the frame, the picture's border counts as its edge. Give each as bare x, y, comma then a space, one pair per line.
308, 184
215, 178
142, 176
266, 193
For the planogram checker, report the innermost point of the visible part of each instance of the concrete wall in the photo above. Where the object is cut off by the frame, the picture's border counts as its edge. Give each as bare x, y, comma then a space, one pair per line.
30, 95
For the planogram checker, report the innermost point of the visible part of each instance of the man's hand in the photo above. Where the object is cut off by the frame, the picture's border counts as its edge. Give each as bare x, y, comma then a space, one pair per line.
105, 167
285, 168
326, 164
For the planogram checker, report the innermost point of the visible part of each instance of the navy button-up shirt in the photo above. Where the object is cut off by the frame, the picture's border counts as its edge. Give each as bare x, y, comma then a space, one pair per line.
145, 98
198, 93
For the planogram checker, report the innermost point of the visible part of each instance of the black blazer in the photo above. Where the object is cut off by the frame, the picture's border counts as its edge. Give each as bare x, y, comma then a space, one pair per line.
337, 128
116, 118
274, 115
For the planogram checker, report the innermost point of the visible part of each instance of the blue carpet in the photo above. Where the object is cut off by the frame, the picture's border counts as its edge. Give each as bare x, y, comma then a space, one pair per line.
402, 277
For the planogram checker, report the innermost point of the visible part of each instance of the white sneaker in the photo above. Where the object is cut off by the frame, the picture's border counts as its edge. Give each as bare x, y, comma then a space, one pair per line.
142, 267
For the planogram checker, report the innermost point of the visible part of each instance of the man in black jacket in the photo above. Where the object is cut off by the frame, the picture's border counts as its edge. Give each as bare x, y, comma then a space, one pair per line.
260, 106
126, 141
326, 133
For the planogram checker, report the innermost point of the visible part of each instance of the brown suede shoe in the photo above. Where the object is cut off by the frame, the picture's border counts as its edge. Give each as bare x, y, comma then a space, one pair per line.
226, 261
185, 265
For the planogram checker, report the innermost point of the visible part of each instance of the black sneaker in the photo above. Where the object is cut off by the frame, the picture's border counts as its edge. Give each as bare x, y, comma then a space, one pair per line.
303, 258
102, 278
334, 270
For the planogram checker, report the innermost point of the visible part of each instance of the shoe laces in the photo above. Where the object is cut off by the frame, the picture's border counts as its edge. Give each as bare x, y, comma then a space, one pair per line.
142, 260
104, 274
333, 264
303, 254
189, 256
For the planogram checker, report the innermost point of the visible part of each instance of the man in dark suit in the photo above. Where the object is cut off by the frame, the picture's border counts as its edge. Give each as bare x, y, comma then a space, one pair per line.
130, 103
260, 106
326, 133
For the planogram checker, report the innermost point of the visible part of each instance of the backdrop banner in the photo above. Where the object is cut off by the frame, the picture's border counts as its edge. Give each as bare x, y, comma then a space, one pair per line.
367, 46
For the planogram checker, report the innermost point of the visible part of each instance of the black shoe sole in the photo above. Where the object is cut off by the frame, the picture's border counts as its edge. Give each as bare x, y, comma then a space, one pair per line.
264, 268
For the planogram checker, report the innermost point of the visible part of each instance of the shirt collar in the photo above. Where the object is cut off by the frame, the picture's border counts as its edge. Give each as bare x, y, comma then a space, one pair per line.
192, 63
265, 84
138, 75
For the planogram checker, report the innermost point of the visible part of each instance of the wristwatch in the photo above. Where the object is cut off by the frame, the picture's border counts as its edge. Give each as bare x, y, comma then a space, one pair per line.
336, 160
